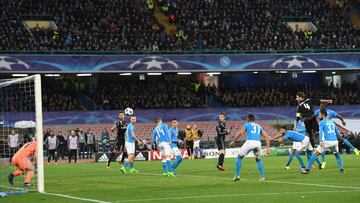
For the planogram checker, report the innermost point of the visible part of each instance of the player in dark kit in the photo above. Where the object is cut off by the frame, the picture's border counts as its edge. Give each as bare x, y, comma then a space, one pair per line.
305, 112
120, 126
221, 131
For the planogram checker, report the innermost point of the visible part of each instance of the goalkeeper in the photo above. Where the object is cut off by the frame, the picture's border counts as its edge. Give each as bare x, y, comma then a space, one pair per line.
21, 160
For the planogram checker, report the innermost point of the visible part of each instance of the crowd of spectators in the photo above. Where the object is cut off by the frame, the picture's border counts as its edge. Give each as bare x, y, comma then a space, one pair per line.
130, 25
284, 95
150, 93
59, 95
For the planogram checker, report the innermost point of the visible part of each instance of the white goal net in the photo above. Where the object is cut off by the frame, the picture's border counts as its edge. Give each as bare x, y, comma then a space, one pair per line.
21, 123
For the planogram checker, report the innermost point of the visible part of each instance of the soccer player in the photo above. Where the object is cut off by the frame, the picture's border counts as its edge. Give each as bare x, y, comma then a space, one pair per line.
161, 137
305, 112
174, 133
189, 141
331, 115
300, 128
52, 143
302, 140
221, 131
197, 134
21, 160
120, 126
130, 146
252, 143
328, 140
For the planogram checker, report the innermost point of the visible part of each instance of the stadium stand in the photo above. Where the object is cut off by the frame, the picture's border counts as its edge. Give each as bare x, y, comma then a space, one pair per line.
132, 26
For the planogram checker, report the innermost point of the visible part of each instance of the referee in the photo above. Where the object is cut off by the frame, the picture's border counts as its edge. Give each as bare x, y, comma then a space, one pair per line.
305, 112
221, 131
120, 126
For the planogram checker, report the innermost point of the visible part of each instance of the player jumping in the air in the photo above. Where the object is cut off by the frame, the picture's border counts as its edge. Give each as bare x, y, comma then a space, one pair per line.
305, 112
331, 115
302, 140
222, 131
174, 132
21, 160
161, 136
130, 146
328, 140
253, 131
120, 126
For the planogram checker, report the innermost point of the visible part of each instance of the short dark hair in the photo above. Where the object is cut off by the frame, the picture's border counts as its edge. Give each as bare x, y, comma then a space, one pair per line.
122, 112
157, 119
283, 127
133, 115
324, 104
300, 94
251, 117
222, 113
324, 112
174, 119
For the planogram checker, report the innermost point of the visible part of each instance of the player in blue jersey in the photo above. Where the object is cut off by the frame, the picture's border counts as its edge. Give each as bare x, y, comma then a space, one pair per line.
300, 128
328, 140
302, 140
161, 139
331, 115
130, 145
253, 131
174, 132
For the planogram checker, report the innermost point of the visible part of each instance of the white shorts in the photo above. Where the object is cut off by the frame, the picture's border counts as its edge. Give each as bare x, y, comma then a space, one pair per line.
196, 144
305, 145
175, 151
296, 145
332, 145
130, 147
165, 149
250, 145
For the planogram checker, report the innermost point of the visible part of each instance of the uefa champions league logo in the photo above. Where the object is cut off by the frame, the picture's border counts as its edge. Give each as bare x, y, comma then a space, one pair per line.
225, 61
8, 63
153, 63
294, 62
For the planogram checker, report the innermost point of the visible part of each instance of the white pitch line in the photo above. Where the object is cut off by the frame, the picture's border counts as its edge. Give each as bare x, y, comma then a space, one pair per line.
232, 195
269, 181
73, 197
16, 188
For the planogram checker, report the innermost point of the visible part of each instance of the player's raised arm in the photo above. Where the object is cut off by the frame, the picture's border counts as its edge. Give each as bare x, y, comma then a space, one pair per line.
237, 137
341, 119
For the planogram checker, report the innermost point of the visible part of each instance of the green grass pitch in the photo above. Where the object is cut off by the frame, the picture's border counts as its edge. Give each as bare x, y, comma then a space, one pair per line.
200, 181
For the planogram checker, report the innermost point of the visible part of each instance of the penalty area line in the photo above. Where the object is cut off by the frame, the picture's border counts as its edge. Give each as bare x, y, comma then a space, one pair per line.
73, 197
234, 195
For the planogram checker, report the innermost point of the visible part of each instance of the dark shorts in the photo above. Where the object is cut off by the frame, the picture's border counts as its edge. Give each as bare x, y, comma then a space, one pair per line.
220, 142
119, 145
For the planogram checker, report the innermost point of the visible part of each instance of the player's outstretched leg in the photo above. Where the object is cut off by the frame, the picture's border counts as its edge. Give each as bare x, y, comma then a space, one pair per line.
311, 162
11, 176
125, 155
291, 157
163, 165
110, 159
221, 160
323, 157
237, 168
309, 154
339, 162
347, 143
177, 162
261, 169
298, 156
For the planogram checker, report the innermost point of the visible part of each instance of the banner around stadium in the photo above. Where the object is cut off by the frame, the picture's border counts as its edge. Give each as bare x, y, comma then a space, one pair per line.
104, 157
183, 115
177, 63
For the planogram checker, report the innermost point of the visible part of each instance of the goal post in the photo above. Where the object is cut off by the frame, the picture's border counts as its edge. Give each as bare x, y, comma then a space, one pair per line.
21, 113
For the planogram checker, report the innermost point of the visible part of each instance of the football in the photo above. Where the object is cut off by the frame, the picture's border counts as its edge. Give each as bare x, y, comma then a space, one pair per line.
129, 111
